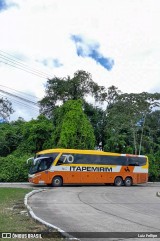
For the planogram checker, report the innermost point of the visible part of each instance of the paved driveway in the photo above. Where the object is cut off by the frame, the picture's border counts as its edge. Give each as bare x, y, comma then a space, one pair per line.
100, 208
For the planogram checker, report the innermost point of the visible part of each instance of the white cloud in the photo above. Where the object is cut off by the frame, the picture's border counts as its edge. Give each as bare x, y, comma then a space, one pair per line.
127, 31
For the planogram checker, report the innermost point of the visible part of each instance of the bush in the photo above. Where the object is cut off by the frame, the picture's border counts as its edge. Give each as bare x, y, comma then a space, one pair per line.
154, 168
13, 168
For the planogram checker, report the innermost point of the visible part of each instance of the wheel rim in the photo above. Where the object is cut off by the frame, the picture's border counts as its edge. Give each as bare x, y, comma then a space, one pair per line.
57, 181
128, 182
118, 182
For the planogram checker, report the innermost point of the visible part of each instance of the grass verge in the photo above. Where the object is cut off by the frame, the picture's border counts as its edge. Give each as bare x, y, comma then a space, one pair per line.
14, 216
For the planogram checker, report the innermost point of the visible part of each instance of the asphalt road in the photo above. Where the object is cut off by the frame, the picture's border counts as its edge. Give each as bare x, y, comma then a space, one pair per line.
100, 209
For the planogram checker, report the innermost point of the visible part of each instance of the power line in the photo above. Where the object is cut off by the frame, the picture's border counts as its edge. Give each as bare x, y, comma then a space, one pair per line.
18, 60
20, 92
34, 109
14, 60
4, 58
19, 97
20, 102
21, 68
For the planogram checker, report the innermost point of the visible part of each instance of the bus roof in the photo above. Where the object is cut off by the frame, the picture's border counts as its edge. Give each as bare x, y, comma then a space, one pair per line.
60, 150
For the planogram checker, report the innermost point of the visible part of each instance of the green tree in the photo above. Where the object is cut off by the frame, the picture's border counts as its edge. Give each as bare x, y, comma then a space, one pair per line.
59, 90
154, 166
126, 119
37, 135
151, 134
113, 94
10, 137
97, 118
72, 127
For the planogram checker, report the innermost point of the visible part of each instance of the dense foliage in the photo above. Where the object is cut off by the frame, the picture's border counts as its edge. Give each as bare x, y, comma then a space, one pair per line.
73, 129
13, 168
129, 124
59, 90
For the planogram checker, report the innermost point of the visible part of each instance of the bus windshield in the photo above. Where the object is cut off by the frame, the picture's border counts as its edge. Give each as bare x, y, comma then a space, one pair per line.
41, 164
34, 167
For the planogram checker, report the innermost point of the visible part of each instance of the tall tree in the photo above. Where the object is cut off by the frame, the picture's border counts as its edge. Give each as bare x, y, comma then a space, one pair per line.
112, 96
59, 90
72, 127
151, 133
127, 115
97, 117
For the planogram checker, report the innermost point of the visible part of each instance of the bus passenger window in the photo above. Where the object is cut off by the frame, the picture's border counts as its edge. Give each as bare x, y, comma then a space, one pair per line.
66, 158
142, 161
60, 161
133, 161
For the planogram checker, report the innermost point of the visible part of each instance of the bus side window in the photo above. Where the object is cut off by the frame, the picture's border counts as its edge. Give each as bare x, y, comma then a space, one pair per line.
66, 158
142, 161
49, 162
60, 161
83, 159
133, 161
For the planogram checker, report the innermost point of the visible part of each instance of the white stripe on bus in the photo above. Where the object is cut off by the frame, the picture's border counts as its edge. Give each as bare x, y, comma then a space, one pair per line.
86, 168
140, 169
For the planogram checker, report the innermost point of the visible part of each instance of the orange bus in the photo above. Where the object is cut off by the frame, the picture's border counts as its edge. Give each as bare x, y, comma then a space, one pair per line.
68, 166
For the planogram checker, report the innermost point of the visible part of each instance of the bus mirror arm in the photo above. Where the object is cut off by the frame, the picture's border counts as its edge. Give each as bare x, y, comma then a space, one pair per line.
31, 158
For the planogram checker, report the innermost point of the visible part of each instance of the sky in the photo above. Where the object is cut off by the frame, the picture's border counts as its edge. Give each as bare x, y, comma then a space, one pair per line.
116, 41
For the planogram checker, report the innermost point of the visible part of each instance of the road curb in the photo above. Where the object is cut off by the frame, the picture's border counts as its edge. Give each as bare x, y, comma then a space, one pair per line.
32, 214
158, 194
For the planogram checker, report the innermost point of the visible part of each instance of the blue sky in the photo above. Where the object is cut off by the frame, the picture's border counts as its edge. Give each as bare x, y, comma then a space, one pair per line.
6, 4
117, 41
85, 49
3, 5
50, 62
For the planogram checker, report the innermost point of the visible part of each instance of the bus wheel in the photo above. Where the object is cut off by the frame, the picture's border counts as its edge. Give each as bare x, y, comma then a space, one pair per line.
128, 182
118, 181
57, 182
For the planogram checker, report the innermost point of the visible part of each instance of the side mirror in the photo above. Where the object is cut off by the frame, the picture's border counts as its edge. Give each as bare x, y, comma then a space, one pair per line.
30, 159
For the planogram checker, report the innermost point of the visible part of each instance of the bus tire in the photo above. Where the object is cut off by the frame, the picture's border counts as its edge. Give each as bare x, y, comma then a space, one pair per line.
57, 182
118, 181
128, 182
